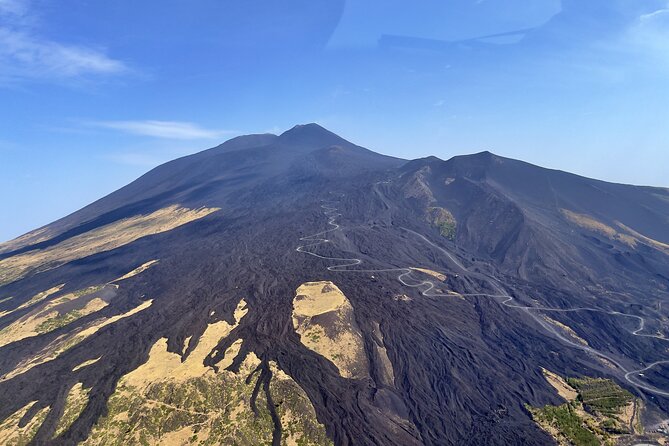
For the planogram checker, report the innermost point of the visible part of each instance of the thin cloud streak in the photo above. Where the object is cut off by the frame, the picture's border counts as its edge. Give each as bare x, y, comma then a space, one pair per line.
25, 55
164, 129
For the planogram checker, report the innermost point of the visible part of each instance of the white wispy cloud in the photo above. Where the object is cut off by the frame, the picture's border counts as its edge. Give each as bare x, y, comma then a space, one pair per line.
651, 31
644, 41
164, 129
25, 55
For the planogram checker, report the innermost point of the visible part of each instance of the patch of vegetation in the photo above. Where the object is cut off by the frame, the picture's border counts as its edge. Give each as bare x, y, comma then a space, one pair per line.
447, 229
600, 407
59, 321
601, 396
13, 434
86, 291
565, 420
214, 409
444, 220
314, 336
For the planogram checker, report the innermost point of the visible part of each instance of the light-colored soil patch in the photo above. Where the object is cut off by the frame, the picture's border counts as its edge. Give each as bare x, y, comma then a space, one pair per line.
101, 239
591, 224
76, 401
69, 340
230, 355
42, 320
588, 222
566, 328
323, 318
165, 365
181, 437
439, 276
138, 270
86, 364
563, 389
11, 434
46, 318
315, 298
41, 296
647, 240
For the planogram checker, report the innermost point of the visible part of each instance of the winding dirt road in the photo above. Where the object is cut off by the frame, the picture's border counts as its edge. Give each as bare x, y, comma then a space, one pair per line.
428, 288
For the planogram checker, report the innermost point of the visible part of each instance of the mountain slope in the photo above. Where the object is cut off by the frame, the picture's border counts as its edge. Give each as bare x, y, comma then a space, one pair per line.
300, 288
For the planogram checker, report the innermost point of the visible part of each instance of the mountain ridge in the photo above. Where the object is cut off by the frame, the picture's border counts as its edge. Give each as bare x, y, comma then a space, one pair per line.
378, 300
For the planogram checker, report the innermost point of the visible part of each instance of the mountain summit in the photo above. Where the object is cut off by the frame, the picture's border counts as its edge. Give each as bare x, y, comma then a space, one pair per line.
301, 289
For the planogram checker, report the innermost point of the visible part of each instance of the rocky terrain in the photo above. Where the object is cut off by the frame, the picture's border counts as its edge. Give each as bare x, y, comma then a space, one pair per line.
301, 290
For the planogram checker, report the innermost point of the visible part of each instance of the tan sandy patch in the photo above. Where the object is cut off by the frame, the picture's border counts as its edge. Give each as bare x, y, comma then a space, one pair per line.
323, 318
186, 344
164, 365
563, 389
69, 340
587, 222
86, 363
590, 223
12, 434
570, 331
138, 270
41, 296
178, 438
101, 239
45, 320
626, 414
439, 276
230, 355
314, 298
647, 240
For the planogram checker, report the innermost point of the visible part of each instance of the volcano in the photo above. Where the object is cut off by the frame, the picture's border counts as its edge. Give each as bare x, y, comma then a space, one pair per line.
299, 289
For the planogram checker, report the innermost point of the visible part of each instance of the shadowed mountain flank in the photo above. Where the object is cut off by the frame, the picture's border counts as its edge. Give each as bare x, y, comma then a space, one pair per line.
301, 289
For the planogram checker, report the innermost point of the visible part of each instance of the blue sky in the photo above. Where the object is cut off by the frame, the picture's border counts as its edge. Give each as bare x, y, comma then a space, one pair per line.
93, 94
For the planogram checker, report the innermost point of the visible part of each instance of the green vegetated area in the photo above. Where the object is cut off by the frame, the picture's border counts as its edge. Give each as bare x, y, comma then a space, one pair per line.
567, 422
601, 396
67, 318
59, 321
599, 415
444, 220
87, 291
13, 434
208, 410
202, 411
